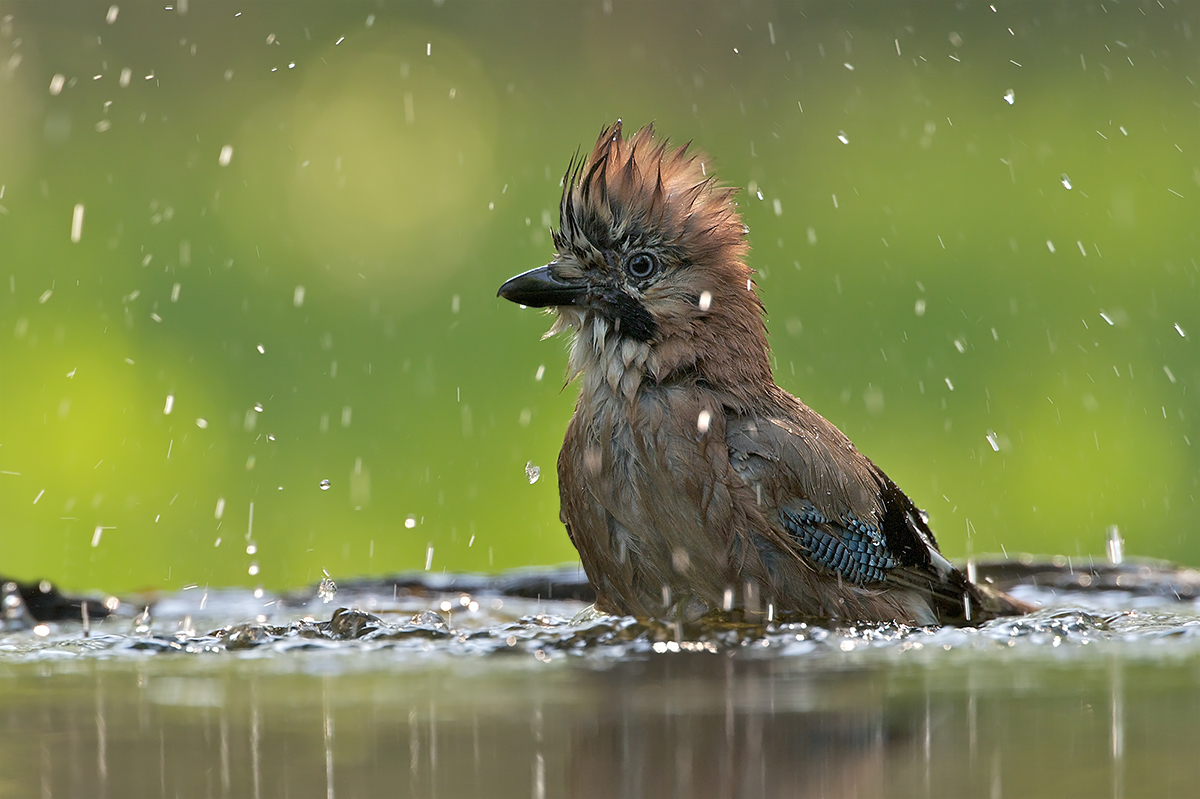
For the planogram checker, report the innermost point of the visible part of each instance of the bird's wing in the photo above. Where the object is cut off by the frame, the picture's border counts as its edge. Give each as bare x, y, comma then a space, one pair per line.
837, 509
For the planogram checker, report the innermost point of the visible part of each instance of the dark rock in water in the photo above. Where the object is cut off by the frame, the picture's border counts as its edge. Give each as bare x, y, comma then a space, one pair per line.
1139, 577
46, 603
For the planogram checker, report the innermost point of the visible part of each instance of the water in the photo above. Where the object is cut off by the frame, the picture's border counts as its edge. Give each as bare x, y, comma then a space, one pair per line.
453, 686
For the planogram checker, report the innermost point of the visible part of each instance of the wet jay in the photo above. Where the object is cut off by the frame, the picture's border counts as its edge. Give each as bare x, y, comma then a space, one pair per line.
690, 482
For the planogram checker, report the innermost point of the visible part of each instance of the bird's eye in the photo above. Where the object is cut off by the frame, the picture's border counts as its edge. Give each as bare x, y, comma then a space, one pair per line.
642, 265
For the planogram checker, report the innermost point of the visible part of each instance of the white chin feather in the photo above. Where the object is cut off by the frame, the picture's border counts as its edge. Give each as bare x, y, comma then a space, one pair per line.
566, 319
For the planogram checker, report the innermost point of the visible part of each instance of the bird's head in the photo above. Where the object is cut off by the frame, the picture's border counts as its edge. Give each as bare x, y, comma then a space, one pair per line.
651, 261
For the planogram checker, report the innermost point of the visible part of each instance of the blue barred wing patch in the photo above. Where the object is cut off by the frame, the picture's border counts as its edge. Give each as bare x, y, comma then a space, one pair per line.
851, 547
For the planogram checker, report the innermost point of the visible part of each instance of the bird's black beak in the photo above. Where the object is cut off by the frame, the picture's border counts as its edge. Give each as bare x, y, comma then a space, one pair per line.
542, 287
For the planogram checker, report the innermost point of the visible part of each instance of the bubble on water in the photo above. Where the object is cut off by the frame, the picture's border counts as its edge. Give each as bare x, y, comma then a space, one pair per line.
1066, 181
327, 588
1010, 97
324, 484
532, 473
1115, 545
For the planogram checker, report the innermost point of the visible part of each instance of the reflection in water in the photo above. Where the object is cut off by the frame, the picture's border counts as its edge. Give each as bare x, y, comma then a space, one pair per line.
676, 724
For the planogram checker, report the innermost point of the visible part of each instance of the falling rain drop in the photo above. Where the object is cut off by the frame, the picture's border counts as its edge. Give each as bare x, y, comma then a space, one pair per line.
919, 308
532, 473
1179, 330
703, 421
226, 155
1066, 181
1116, 546
993, 440
77, 223
324, 484
842, 137
410, 523
705, 300
169, 405
258, 408
1010, 97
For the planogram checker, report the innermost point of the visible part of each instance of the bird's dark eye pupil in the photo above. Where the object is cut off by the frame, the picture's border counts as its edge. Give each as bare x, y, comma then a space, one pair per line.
642, 265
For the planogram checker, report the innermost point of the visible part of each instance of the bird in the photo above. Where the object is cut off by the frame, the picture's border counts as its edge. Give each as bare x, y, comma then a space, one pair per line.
690, 483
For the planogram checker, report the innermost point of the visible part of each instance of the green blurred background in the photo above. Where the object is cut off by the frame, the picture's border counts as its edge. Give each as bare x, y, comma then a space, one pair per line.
968, 222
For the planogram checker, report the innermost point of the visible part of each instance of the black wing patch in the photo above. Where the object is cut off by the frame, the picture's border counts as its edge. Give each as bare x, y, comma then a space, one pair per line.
856, 550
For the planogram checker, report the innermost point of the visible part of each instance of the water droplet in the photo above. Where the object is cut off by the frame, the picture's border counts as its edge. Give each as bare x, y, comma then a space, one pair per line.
705, 300
703, 421
327, 588
1010, 97
410, 522
1116, 546
324, 485
1066, 181
532, 473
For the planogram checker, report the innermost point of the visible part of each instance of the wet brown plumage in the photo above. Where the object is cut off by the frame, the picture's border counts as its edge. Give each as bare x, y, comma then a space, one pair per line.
689, 481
